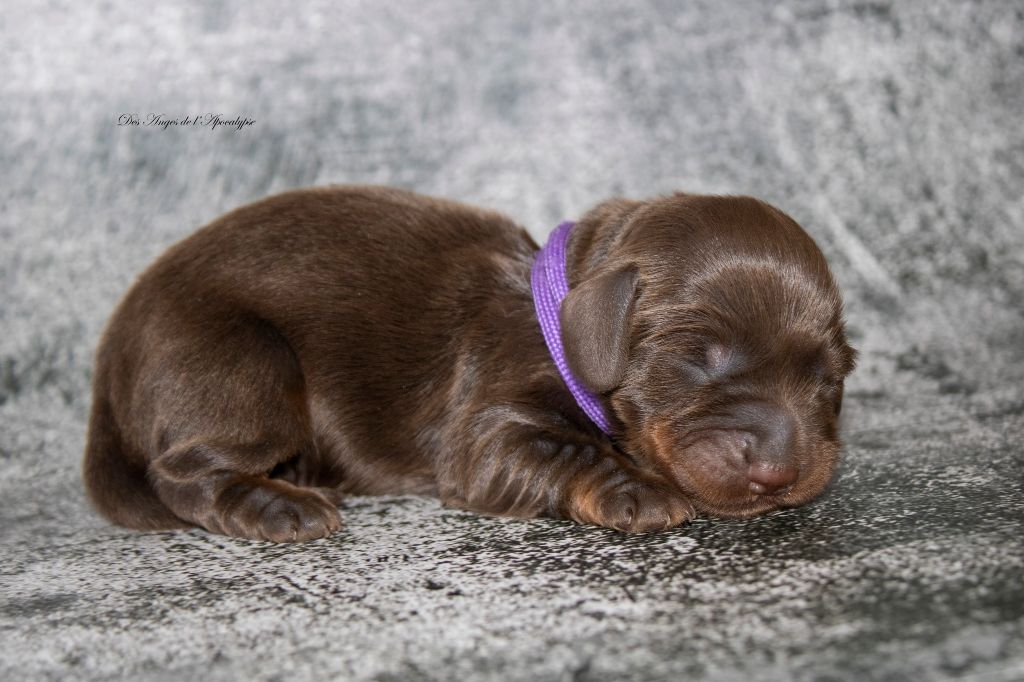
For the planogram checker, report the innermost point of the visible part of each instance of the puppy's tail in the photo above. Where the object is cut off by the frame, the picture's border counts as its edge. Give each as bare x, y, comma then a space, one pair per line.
116, 486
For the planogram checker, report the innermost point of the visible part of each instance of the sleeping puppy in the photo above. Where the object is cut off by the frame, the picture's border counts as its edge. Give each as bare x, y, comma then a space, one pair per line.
656, 360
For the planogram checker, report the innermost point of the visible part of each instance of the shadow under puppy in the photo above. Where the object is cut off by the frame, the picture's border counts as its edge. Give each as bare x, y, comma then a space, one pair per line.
370, 340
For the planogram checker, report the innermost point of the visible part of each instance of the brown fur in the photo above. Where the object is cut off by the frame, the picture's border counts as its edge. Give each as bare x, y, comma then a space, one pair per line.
371, 340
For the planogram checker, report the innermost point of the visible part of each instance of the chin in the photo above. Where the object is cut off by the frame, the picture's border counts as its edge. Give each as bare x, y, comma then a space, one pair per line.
750, 506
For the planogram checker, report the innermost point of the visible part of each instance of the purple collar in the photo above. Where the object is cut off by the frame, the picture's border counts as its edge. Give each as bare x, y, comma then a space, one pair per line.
550, 283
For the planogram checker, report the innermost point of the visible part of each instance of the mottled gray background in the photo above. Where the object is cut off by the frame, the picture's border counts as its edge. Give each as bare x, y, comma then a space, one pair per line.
891, 130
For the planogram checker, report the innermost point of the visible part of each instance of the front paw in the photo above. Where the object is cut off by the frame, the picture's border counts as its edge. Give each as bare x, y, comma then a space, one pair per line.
636, 506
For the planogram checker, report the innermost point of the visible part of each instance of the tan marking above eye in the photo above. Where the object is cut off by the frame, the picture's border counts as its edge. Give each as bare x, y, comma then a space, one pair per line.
719, 358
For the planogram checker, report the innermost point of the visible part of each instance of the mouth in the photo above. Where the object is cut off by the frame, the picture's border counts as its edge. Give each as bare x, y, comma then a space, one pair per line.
732, 502
744, 508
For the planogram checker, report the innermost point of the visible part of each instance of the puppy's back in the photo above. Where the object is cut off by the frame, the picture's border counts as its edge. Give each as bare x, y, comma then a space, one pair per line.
331, 282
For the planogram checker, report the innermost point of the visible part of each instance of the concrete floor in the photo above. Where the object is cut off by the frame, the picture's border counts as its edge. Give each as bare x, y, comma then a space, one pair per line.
890, 130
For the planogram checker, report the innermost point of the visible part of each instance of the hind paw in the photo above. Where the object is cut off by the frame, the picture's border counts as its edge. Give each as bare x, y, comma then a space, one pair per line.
267, 509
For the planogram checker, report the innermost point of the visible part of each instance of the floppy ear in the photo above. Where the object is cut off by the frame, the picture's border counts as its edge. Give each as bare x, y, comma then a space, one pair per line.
595, 328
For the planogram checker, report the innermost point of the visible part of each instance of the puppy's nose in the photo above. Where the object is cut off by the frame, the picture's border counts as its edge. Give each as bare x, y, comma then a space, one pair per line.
767, 479
769, 443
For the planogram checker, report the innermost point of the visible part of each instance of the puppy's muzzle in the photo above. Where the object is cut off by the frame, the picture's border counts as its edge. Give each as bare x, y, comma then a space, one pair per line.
761, 438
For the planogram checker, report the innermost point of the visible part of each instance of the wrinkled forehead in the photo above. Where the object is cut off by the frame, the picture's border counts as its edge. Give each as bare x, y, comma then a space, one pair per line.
738, 299
716, 331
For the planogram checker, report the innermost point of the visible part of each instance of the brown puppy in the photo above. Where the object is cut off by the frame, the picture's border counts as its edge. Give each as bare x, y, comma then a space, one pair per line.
371, 340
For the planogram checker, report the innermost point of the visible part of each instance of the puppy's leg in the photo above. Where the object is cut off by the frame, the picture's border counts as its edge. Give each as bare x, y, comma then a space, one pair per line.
225, 416
524, 471
209, 484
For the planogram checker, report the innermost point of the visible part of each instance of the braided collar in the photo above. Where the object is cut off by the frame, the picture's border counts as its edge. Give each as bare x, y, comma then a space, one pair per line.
550, 284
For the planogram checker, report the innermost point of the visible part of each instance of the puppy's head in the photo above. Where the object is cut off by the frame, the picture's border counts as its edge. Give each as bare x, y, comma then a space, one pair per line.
714, 328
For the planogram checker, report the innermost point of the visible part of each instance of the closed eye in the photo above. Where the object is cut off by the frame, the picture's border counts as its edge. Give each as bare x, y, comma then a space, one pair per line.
696, 373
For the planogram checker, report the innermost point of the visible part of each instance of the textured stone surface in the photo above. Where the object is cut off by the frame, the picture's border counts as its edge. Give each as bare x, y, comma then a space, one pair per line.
890, 130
